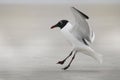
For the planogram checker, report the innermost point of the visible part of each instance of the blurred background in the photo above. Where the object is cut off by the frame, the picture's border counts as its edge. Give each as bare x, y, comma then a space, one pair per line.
29, 49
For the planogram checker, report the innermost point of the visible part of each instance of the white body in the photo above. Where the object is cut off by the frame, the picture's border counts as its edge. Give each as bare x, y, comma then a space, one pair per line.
78, 44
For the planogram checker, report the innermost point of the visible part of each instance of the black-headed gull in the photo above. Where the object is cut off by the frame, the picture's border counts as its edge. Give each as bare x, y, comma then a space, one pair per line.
80, 35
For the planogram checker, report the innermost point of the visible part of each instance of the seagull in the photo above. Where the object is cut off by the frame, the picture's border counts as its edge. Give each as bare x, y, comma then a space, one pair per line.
80, 35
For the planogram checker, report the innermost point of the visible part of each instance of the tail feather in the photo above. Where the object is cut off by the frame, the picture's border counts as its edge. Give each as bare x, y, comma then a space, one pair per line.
90, 52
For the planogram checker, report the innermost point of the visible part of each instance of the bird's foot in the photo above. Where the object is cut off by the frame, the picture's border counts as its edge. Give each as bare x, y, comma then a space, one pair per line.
65, 68
61, 62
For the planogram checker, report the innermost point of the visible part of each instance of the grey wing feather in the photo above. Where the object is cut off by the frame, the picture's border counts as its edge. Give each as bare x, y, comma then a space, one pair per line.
84, 15
81, 29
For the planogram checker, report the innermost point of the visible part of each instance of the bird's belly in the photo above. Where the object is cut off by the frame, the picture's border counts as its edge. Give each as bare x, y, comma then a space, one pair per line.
71, 38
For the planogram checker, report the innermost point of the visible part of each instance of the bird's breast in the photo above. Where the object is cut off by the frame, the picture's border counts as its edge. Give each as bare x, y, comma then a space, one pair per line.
70, 37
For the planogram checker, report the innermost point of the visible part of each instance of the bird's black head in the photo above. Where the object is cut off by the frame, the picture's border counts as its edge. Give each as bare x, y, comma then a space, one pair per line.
60, 24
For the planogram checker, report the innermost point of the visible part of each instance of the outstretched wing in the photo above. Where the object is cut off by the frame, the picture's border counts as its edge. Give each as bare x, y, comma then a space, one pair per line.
81, 29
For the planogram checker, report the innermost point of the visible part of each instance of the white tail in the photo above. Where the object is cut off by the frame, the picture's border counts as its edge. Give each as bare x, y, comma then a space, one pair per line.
90, 52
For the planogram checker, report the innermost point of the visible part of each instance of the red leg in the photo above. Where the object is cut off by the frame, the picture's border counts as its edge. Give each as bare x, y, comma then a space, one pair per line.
62, 62
70, 62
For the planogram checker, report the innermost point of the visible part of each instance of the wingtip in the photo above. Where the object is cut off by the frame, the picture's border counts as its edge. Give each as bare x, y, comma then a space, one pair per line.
80, 12
72, 7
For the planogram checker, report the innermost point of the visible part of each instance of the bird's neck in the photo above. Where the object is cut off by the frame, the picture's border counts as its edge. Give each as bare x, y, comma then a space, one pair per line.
67, 27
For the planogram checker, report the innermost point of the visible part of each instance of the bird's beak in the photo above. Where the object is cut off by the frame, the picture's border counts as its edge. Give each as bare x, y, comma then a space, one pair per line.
53, 27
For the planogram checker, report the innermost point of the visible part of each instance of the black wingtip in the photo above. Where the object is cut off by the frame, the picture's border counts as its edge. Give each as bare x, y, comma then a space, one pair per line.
81, 13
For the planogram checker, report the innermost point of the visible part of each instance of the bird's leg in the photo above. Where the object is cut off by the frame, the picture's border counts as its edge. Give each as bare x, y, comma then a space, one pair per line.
70, 62
62, 62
